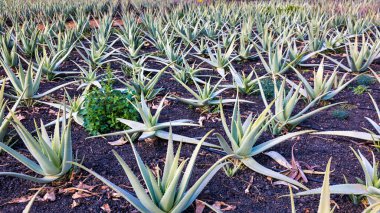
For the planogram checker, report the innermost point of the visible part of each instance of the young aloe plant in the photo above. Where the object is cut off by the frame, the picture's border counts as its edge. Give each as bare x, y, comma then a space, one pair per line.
74, 108
246, 84
206, 96
7, 39
51, 154
369, 187
50, 63
245, 49
89, 77
243, 137
97, 54
359, 57
315, 29
278, 60
218, 59
130, 35
5, 119
326, 86
368, 136
27, 83
285, 105
266, 41
62, 41
137, 65
174, 54
299, 56
9, 53
324, 202
28, 41
151, 128
187, 31
335, 39
167, 192
187, 73
103, 31
143, 85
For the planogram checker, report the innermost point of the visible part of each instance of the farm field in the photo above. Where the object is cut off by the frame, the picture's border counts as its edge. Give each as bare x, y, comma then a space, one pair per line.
189, 106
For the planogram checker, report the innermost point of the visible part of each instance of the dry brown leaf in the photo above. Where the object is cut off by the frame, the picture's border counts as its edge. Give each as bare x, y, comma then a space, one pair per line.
20, 117
249, 185
199, 206
49, 196
115, 195
67, 190
81, 185
52, 112
220, 205
106, 208
22, 199
119, 142
201, 119
75, 204
104, 187
77, 195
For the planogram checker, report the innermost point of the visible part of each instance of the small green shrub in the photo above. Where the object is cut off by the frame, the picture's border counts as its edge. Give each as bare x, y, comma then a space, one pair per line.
268, 87
365, 80
359, 90
104, 106
340, 114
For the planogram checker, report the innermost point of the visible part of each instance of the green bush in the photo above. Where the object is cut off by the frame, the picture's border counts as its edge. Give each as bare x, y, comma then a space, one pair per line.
359, 90
365, 80
340, 114
268, 87
103, 107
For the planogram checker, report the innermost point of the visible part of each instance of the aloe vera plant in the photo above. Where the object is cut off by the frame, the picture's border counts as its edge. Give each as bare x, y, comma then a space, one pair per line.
50, 63
74, 108
285, 105
130, 35
51, 154
245, 49
266, 40
327, 86
206, 96
335, 39
27, 83
5, 119
8, 50
246, 84
97, 54
369, 187
315, 28
244, 136
219, 60
89, 77
299, 56
278, 60
167, 192
174, 54
151, 128
187, 73
187, 31
359, 57
141, 84
28, 41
